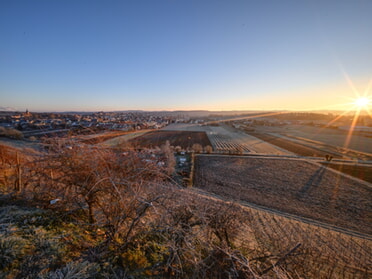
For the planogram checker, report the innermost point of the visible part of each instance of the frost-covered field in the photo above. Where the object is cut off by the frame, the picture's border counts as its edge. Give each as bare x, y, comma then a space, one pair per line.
295, 186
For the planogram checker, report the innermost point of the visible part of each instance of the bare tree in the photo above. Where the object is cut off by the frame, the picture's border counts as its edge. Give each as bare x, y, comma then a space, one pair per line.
169, 155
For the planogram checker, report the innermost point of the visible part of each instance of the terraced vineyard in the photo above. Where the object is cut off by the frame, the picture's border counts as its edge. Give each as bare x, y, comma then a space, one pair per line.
225, 143
304, 250
226, 139
322, 254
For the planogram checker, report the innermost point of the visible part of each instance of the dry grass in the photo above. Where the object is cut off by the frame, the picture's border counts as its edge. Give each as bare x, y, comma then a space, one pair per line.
101, 137
11, 133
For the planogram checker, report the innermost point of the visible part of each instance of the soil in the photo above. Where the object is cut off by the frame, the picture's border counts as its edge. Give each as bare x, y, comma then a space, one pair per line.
184, 139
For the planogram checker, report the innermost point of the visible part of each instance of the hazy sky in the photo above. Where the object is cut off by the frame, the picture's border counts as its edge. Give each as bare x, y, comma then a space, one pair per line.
183, 54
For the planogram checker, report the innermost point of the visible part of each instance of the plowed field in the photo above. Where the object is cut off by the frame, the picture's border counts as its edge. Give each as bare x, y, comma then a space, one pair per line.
184, 139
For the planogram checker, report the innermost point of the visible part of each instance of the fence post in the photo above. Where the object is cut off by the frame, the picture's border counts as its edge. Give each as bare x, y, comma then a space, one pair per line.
18, 182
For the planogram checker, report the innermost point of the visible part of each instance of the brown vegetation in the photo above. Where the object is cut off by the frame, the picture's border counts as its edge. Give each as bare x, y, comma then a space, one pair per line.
11, 133
99, 138
107, 213
114, 215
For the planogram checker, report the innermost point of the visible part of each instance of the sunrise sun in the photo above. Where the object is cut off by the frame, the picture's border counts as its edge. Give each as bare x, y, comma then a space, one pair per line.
362, 102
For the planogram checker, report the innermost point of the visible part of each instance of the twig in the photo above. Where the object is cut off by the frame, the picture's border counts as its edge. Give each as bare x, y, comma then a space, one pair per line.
281, 259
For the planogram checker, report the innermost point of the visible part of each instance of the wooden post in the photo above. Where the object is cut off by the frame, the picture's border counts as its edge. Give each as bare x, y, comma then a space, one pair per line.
18, 183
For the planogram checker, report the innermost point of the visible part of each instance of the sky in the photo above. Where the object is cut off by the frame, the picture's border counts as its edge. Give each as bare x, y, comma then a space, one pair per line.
184, 54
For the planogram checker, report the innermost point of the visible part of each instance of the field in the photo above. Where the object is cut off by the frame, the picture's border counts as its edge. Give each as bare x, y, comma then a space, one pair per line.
229, 140
334, 137
358, 171
184, 139
294, 186
118, 140
101, 137
225, 139
294, 147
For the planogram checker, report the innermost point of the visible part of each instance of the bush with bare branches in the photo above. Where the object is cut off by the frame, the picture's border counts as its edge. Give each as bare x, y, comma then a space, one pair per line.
116, 214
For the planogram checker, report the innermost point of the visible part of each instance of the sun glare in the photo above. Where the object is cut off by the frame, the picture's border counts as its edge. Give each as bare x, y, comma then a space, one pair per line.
362, 102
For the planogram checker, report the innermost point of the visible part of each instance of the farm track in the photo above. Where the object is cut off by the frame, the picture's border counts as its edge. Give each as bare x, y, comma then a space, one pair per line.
285, 214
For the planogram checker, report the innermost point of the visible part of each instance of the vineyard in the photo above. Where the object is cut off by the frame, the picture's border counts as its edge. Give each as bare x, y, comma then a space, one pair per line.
323, 254
316, 252
304, 248
225, 144
289, 185
225, 139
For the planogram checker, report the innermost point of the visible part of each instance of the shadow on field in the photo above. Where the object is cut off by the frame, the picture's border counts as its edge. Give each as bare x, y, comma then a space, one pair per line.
313, 181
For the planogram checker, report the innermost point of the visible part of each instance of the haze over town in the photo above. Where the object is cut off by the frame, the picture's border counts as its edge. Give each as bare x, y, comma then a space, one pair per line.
184, 55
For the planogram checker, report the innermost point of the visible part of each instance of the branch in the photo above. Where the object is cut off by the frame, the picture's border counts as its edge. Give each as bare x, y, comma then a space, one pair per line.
281, 259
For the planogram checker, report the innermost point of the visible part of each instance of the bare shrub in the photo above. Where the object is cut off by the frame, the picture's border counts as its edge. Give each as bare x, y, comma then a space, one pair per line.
11, 133
196, 147
198, 240
208, 149
169, 155
96, 180
125, 220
